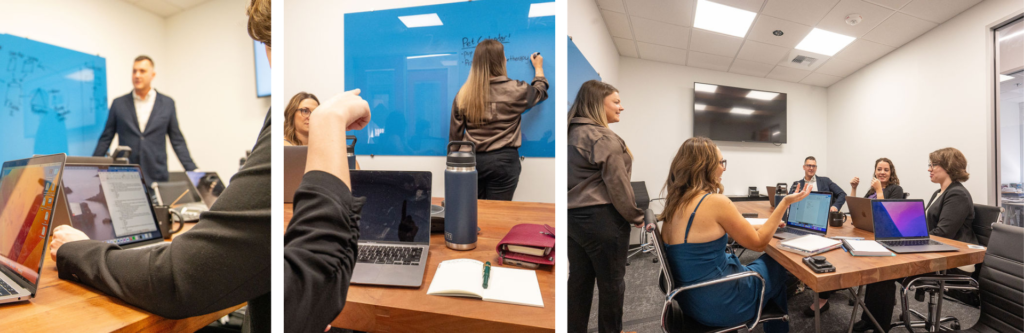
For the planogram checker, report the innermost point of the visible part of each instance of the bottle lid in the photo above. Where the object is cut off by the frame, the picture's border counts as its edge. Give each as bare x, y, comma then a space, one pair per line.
457, 158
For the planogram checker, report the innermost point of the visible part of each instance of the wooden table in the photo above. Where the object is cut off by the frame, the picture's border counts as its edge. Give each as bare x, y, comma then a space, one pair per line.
63, 306
396, 309
858, 271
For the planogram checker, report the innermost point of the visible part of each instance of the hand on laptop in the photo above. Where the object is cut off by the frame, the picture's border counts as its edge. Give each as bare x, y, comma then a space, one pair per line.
64, 234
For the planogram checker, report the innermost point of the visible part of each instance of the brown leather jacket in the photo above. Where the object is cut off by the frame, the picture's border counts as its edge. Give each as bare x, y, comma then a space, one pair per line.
599, 169
502, 126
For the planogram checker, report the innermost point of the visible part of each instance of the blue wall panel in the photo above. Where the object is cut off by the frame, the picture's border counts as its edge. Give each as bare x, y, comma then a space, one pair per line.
579, 71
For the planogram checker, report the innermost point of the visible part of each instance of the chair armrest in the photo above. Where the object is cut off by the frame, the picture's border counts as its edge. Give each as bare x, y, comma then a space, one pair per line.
731, 277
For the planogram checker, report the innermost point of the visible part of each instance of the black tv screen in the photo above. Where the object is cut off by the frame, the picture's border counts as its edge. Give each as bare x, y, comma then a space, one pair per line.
724, 113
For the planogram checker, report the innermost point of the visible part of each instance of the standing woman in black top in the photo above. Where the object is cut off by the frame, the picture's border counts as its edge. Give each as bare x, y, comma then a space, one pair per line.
602, 206
488, 112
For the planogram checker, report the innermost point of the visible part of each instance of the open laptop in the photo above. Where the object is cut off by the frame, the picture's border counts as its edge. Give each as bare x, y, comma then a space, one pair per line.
807, 217
294, 169
28, 192
900, 226
394, 228
860, 213
109, 203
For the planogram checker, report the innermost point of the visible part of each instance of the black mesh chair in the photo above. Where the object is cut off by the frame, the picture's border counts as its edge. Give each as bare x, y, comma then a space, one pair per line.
672, 317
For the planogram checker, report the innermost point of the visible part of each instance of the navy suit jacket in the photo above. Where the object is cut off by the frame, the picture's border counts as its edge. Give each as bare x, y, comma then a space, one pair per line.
148, 150
825, 185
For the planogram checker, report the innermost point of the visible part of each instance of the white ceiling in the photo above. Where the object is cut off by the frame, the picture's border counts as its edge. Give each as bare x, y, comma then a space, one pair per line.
662, 30
165, 8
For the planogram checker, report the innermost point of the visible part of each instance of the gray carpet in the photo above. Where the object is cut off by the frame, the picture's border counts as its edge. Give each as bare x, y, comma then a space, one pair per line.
644, 300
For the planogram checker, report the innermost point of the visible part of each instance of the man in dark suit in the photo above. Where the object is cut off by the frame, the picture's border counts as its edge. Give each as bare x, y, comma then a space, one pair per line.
821, 184
141, 120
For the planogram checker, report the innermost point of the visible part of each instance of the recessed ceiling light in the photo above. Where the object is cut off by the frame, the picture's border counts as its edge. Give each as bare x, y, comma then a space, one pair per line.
723, 19
542, 9
742, 111
762, 95
423, 20
430, 55
705, 87
824, 42
699, 107
1004, 77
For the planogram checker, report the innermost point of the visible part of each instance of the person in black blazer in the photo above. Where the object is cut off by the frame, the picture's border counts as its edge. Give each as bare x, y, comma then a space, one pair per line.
148, 147
821, 184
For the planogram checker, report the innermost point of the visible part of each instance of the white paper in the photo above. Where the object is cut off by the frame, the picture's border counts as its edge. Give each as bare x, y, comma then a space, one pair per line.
810, 243
866, 245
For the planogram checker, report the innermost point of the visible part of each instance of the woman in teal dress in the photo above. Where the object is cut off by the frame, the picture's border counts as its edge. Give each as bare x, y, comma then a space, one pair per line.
698, 221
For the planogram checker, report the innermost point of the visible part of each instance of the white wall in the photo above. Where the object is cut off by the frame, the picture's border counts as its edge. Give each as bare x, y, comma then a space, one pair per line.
590, 34
658, 117
208, 69
314, 60
931, 93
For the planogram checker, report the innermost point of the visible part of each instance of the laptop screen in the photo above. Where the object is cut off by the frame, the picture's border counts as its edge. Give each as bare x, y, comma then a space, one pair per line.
811, 212
899, 218
27, 194
397, 207
109, 203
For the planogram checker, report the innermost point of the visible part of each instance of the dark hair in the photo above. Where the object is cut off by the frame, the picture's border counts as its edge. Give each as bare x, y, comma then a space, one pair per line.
893, 180
289, 116
810, 158
145, 57
692, 171
951, 160
259, 20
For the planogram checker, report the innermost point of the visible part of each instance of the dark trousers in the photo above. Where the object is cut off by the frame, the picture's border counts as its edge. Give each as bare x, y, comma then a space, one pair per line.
498, 174
598, 242
880, 299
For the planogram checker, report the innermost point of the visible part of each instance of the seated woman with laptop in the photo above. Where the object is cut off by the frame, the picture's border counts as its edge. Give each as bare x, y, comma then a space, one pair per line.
695, 181
884, 185
950, 214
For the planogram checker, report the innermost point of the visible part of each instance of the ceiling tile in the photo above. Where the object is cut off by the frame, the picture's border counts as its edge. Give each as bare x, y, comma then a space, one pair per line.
612, 5
714, 43
751, 68
937, 11
899, 29
678, 12
158, 7
839, 67
863, 51
820, 80
891, 4
761, 52
617, 24
788, 74
835, 20
626, 47
185, 4
662, 53
709, 61
806, 12
764, 25
660, 33
747, 5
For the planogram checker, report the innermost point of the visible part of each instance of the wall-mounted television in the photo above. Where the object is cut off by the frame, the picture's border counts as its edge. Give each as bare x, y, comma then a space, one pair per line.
262, 69
724, 113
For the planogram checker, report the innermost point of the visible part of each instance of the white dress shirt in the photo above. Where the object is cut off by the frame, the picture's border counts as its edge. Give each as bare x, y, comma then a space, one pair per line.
144, 107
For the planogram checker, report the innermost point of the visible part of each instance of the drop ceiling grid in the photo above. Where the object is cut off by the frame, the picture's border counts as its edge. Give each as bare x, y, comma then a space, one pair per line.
850, 61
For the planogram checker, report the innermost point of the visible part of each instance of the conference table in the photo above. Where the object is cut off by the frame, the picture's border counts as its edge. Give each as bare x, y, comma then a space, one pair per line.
399, 309
64, 306
858, 271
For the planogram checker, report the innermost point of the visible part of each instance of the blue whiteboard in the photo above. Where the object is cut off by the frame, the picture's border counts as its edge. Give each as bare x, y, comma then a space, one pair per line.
52, 100
579, 71
410, 76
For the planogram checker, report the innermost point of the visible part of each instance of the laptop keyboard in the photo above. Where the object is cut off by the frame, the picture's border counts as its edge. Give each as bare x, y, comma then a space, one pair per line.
6, 290
796, 231
910, 242
389, 255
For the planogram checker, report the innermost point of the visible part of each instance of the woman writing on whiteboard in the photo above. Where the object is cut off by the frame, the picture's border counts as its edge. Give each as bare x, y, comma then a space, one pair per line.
602, 206
488, 112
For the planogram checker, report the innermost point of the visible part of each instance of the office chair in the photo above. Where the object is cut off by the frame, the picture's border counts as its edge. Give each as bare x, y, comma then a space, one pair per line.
643, 201
672, 317
985, 217
1001, 281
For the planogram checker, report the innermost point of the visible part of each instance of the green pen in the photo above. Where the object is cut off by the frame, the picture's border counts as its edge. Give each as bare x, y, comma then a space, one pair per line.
487, 273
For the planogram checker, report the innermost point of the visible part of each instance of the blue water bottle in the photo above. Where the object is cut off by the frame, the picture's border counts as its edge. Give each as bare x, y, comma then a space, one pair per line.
351, 152
460, 197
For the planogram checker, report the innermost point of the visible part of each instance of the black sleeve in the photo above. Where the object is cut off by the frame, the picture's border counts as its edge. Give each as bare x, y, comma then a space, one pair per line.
178, 141
956, 207
896, 193
319, 252
839, 194
108, 133
221, 262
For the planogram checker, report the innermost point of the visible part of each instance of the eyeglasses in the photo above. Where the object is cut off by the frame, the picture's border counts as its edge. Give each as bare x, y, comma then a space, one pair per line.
305, 112
812, 166
723, 163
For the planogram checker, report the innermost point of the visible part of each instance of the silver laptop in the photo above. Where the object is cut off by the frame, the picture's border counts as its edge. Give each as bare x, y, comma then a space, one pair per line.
108, 203
860, 213
28, 193
900, 226
394, 228
294, 169
807, 217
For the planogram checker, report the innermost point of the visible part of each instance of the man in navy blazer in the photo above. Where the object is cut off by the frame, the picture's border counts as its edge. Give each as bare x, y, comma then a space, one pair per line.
141, 120
821, 184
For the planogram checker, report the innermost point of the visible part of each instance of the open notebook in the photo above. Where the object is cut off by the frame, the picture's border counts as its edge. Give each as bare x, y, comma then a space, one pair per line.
464, 278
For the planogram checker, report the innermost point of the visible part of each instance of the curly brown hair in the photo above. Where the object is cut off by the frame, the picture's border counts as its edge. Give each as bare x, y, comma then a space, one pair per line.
951, 160
259, 20
692, 171
893, 180
289, 116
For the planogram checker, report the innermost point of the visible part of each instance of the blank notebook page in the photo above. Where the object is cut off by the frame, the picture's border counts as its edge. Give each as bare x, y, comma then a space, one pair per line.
513, 286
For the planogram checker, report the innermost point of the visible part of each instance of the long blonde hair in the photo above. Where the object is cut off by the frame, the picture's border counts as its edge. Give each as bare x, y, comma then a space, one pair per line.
692, 171
488, 61
289, 116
